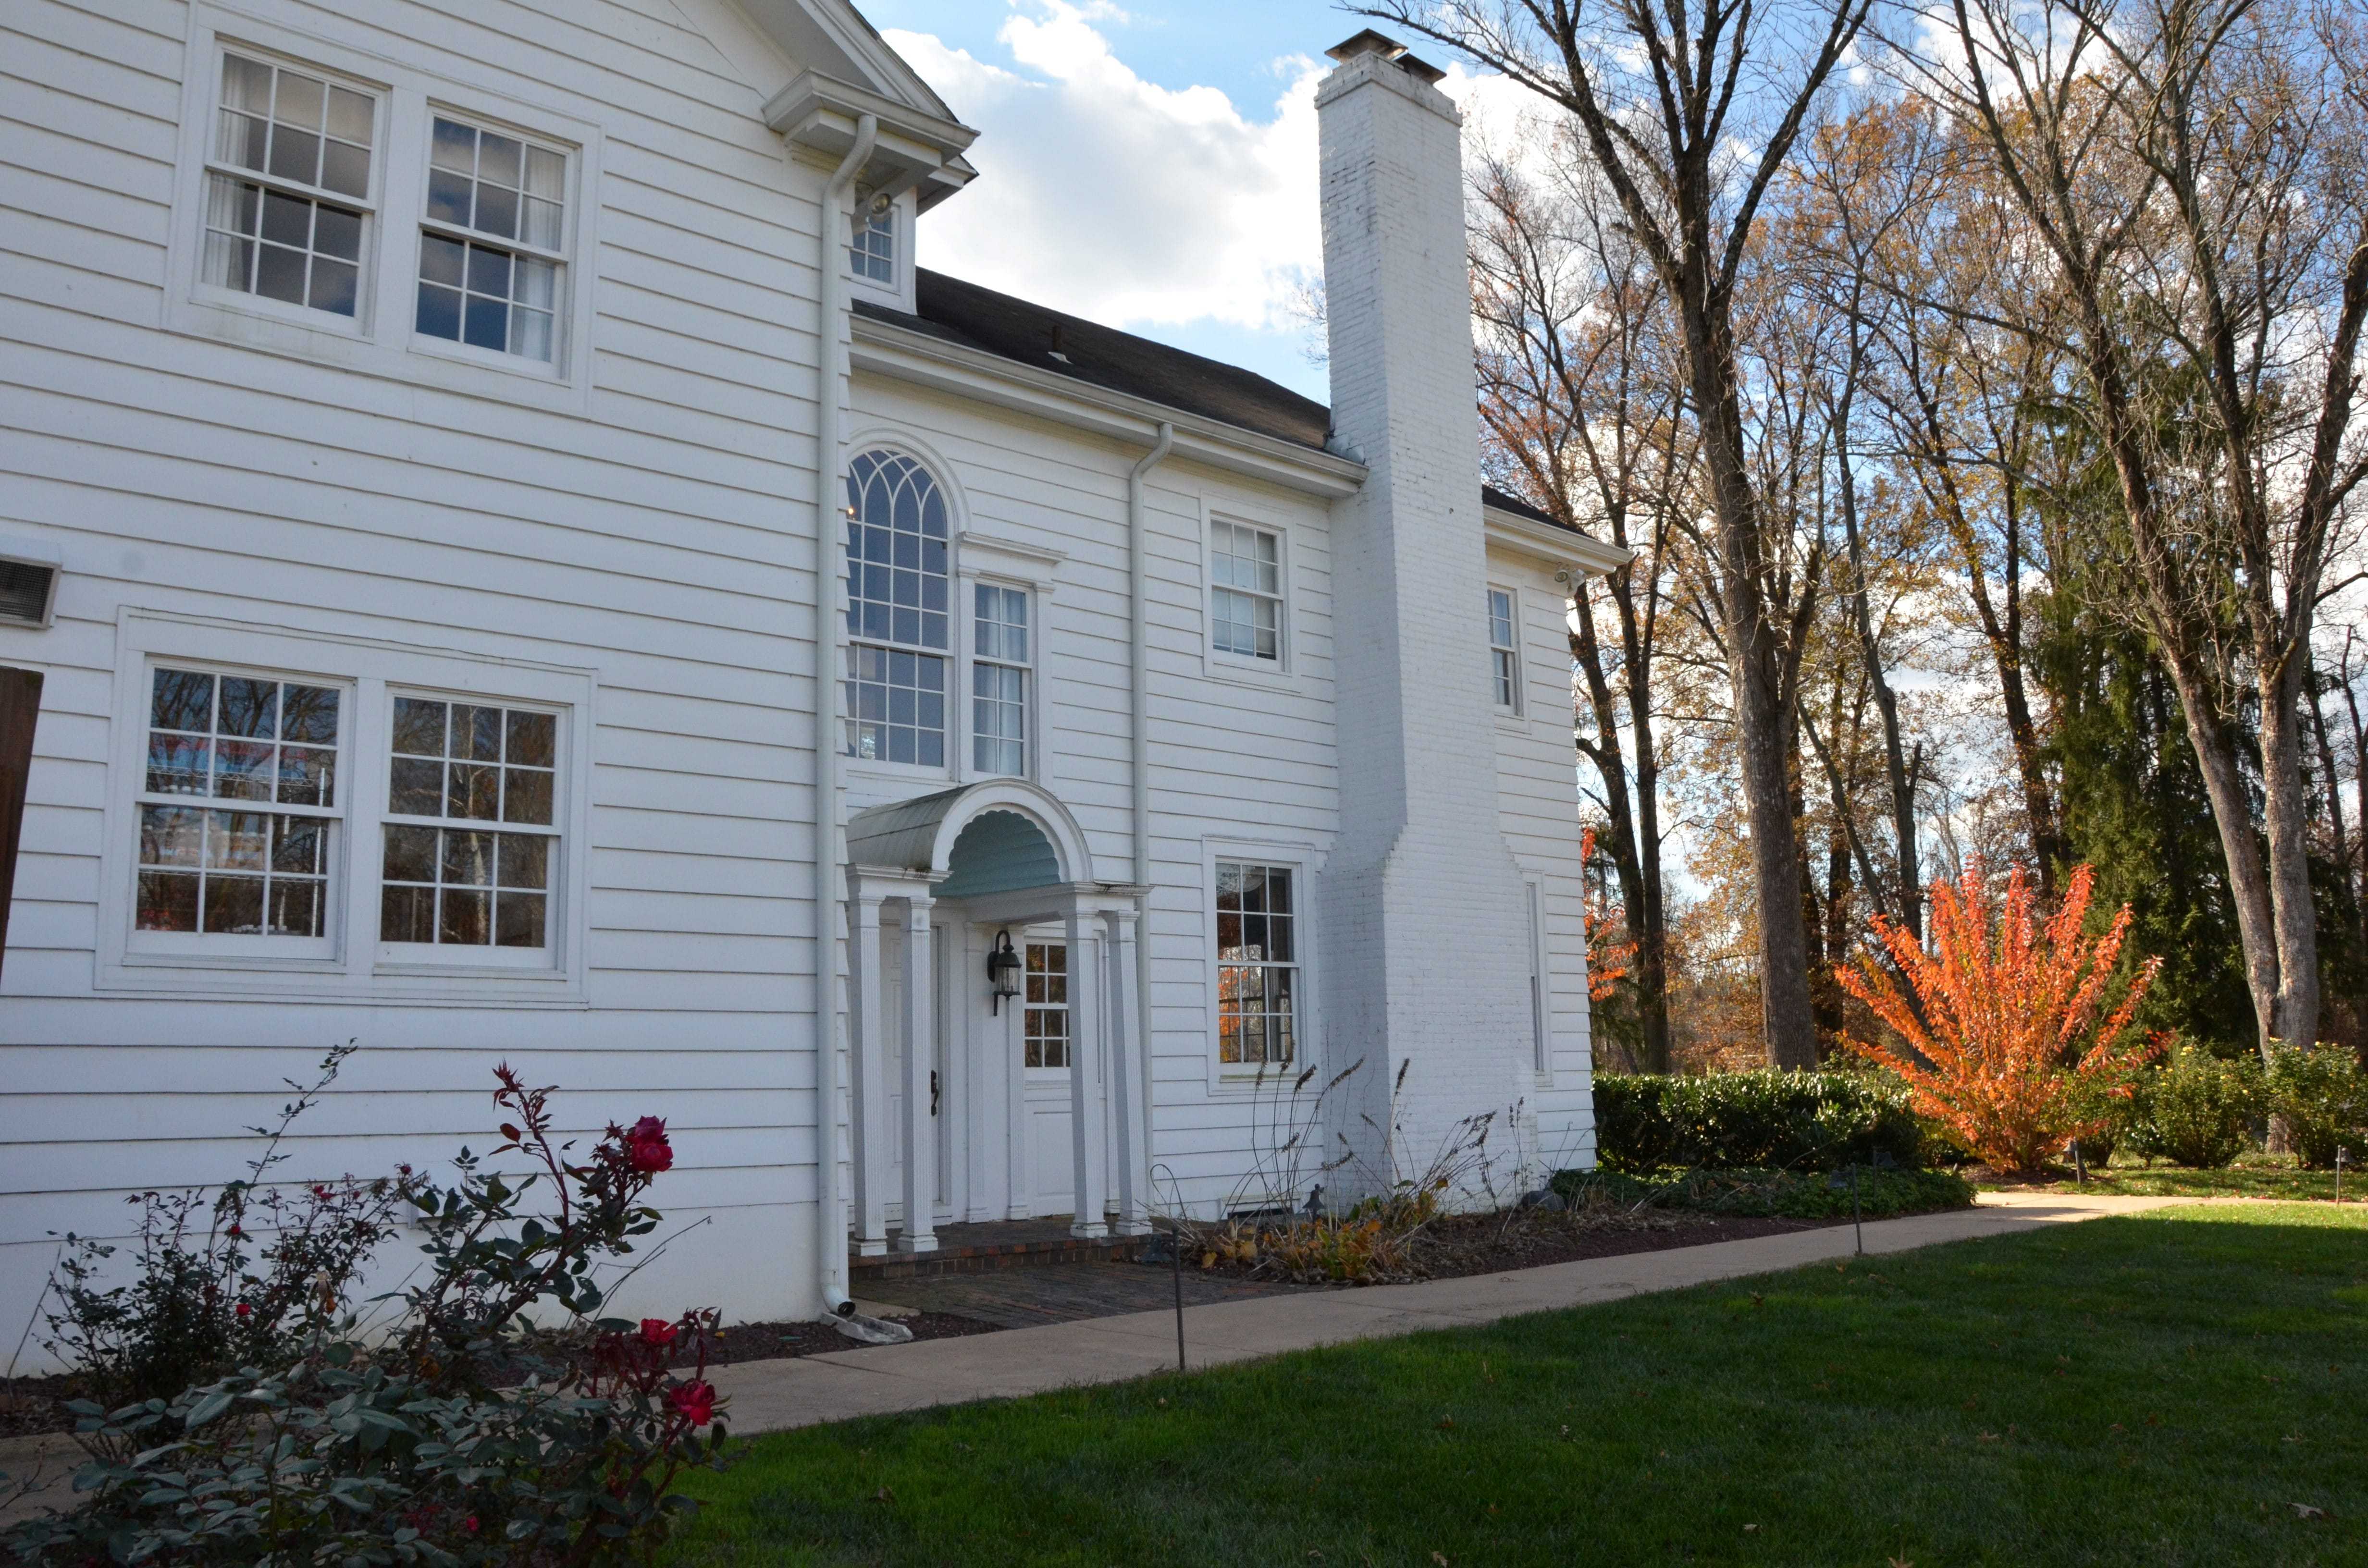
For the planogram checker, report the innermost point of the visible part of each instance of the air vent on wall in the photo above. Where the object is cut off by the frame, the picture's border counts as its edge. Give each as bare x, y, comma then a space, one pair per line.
28, 588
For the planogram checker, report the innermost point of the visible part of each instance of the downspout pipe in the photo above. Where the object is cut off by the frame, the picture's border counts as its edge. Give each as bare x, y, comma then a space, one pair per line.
830, 573
1138, 574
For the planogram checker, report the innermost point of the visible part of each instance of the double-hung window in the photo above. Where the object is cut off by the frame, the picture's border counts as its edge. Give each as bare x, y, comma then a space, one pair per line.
873, 255
238, 806
896, 611
1504, 650
999, 675
471, 843
1257, 965
1246, 591
492, 242
288, 187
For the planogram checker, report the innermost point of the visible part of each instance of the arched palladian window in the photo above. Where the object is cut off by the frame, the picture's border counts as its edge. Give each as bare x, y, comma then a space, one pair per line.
896, 611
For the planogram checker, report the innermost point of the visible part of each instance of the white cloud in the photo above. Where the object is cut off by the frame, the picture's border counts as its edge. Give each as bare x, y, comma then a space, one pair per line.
1115, 198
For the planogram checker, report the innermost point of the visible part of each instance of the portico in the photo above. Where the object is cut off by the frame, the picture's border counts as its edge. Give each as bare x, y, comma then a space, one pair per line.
941, 1118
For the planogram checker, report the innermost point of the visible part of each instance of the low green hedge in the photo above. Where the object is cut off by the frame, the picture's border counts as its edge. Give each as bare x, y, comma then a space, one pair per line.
1802, 1121
1791, 1195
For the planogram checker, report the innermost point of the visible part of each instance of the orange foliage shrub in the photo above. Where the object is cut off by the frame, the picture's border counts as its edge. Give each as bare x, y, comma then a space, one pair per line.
2012, 1052
1608, 959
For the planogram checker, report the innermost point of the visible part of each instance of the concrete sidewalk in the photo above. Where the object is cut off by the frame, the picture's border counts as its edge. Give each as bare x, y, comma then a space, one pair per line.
772, 1396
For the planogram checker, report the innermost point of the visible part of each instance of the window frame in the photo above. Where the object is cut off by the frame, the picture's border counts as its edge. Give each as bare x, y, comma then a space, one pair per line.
371, 205
1509, 653
972, 582
1281, 672
896, 290
1279, 598
1303, 861
954, 655
336, 858
442, 955
352, 966
1044, 1071
562, 258
409, 81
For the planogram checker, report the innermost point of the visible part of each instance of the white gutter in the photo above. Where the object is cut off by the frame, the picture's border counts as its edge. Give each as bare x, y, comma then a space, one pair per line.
830, 539
1138, 562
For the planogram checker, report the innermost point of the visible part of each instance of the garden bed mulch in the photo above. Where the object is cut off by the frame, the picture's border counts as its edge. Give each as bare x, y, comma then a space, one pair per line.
30, 1406
1462, 1246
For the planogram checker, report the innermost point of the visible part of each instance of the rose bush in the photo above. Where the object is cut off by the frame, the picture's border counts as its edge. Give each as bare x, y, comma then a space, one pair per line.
475, 1432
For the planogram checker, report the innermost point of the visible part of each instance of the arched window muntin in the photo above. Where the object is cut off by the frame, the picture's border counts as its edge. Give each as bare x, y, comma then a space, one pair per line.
899, 593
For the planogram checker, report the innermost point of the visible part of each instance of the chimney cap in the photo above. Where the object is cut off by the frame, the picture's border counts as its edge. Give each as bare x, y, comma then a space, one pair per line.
1415, 65
1366, 42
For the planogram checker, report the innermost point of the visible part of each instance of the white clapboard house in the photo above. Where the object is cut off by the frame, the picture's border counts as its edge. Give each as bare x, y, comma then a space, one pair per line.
490, 477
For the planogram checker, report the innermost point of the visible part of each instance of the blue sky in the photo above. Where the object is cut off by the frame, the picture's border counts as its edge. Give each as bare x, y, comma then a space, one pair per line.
1151, 166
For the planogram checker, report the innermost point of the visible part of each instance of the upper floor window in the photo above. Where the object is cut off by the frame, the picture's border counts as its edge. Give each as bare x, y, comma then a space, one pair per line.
1257, 965
999, 672
287, 185
238, 804
1246, 591
873, 256
897, 590
1504, 650
491, 245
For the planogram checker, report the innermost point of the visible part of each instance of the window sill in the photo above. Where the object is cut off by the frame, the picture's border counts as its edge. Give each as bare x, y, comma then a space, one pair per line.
543, 371
1258, 674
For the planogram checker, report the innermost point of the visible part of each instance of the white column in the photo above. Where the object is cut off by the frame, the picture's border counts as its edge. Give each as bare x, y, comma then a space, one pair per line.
867, 1047
1130, 1077
1086, 1125
920, 1233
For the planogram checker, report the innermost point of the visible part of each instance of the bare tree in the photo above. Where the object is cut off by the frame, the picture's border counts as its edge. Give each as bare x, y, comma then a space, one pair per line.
1690, 108
2191, 168
1581, 406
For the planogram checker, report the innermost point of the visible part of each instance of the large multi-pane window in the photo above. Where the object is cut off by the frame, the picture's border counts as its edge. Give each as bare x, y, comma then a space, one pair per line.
896, 611
492, 242
238, 804
1504, 650
1045, 1034
288, 187
472, 847
873, 256
998, 680
1246, 591
1257, 965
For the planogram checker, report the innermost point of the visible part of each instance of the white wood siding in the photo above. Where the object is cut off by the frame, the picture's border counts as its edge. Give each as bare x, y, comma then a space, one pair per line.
1537, 793
659, 537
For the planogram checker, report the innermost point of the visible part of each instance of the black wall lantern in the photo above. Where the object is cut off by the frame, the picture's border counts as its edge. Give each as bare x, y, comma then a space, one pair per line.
1002, 971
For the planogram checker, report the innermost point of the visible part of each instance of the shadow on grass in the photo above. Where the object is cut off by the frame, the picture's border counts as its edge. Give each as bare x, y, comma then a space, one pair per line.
2181, 1387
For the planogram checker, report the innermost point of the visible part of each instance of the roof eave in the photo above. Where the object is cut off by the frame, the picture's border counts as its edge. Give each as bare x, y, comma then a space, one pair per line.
915, 150
885, 349
1554, 544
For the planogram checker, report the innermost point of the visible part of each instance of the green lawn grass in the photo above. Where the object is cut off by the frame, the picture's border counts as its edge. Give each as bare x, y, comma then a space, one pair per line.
2253, 1175
2152, 1390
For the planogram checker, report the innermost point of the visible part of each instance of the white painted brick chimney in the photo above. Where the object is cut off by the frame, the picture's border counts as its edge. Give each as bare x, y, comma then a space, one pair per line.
1426, 929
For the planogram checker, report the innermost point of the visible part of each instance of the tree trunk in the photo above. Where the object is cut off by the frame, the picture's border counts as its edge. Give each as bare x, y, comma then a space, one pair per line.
1787, 1017
2286, 819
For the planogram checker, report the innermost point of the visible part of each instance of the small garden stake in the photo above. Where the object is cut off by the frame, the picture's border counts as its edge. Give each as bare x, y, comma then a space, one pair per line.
1857, 1224
2339, 1175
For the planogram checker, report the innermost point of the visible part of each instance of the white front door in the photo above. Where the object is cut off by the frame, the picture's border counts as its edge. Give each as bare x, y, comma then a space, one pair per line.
1048, 1151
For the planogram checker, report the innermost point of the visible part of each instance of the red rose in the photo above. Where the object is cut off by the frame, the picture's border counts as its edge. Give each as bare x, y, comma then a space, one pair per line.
243, 1310
236, 1232
647, 1146
470, 1524
693, 1401
658, 1334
